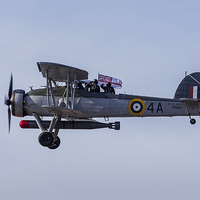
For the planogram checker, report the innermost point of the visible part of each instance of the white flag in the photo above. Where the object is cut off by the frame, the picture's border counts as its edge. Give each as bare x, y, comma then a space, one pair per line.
115, 83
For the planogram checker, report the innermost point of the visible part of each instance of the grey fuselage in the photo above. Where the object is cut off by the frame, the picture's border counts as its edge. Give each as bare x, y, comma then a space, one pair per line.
110, 105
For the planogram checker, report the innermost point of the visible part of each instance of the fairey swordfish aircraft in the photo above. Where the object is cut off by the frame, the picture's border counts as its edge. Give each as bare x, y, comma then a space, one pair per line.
72, 107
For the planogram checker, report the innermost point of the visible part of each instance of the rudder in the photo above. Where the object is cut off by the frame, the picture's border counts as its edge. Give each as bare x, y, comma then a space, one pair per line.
189, 87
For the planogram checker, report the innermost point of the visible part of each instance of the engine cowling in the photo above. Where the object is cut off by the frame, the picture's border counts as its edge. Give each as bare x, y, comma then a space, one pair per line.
17, 103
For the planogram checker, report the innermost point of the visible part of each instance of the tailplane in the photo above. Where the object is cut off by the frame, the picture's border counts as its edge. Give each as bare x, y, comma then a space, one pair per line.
189, 87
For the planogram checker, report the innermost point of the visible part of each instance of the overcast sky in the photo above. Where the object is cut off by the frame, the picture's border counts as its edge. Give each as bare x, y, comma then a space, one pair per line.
148, 44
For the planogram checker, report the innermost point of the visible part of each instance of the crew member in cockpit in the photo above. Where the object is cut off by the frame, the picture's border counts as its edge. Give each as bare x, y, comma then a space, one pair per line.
108, 88
94, 86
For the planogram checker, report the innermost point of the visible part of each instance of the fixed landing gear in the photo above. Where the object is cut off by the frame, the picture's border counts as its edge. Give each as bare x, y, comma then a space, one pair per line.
55, 144
192, 121
46, 140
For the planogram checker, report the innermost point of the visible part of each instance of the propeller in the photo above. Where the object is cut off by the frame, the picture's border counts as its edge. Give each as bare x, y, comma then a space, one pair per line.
8, 102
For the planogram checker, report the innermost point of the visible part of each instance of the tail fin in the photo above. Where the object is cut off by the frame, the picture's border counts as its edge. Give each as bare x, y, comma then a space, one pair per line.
189, 87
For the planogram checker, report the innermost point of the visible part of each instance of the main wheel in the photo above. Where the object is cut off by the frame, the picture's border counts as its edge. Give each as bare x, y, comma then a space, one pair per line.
192, 121
45, 139
55, 144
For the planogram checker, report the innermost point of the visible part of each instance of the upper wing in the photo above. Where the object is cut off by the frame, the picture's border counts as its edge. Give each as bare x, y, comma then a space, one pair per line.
60, 72
64, 112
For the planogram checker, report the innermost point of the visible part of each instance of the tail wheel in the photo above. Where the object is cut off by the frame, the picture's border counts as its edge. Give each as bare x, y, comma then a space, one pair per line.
55, 144
45, 139
192, 121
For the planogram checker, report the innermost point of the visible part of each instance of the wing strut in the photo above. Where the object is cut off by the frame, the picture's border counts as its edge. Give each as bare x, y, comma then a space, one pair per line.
62, 73
67, 97
73, 93
47, 81
49, 85
52, 95
72, 86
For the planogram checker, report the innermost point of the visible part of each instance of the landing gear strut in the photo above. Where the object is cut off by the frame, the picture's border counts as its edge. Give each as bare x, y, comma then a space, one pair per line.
48, 138
192, 120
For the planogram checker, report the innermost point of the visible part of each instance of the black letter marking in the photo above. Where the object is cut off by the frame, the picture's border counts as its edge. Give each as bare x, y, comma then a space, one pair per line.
159, 108
151, 107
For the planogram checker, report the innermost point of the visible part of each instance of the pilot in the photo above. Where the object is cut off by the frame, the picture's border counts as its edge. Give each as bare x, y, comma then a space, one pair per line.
94, 86
80, 86
108, 88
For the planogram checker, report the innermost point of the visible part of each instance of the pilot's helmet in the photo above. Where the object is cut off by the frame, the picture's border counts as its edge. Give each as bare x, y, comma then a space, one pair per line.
95, 81
108, 84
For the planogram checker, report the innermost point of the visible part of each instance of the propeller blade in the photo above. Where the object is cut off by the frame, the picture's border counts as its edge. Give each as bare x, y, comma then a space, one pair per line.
10, 87
9, 119
8, 101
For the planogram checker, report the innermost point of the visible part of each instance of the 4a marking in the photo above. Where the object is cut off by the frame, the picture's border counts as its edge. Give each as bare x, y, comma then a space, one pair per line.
151, 108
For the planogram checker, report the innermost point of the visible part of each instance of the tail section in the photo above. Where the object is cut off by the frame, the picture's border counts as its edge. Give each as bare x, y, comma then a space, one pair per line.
189, 87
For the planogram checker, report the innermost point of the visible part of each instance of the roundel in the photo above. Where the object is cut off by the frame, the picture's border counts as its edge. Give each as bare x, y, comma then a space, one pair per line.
136, 106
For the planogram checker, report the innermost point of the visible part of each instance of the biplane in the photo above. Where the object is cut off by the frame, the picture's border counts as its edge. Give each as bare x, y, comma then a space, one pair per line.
71, 107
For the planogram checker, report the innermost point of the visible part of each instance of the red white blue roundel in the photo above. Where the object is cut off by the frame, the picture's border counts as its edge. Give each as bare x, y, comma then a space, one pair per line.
136, 106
